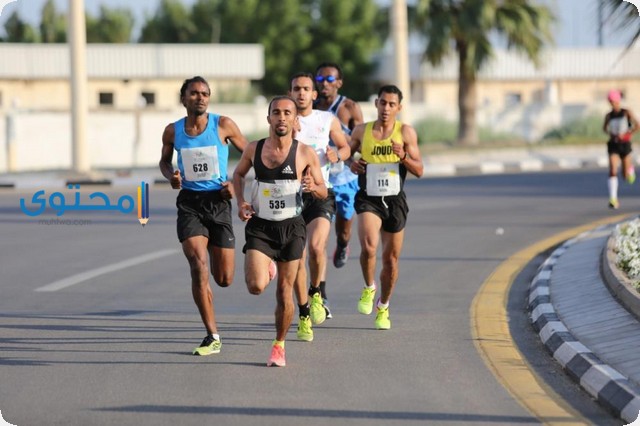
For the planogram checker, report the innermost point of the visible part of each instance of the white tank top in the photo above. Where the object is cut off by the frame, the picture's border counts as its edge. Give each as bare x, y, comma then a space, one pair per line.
315, 129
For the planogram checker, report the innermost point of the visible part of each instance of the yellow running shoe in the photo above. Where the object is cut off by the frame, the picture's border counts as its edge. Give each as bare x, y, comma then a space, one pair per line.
209, 346
631, 176
304, 329
316, 309
614, 204
365, 304
382, 319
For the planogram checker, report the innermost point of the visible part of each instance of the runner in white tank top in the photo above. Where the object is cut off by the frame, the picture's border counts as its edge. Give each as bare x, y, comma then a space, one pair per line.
316, 129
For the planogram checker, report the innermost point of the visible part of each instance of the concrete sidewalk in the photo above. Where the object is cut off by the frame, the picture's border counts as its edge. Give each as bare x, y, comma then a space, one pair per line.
586, 329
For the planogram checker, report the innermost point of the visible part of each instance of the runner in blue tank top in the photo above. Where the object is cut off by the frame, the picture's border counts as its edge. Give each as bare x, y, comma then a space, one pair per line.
204, 222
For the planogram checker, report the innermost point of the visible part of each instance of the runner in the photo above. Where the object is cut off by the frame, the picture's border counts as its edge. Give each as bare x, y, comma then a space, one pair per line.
619, 124
275, 227
204, 225
389, 149
345, 183
316, 129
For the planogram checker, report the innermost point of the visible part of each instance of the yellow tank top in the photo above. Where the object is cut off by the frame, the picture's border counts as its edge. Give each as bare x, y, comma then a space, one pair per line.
379, 151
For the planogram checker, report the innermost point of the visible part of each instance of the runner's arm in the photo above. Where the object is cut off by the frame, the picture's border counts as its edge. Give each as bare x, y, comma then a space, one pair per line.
166, 158
411, 159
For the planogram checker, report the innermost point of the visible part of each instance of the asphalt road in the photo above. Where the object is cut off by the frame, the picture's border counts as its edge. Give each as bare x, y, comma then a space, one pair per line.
97, 321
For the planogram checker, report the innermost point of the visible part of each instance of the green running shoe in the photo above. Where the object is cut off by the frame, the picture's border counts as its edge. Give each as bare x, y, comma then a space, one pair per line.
382, 319
365, 304
209, 346
304, 329
316, 309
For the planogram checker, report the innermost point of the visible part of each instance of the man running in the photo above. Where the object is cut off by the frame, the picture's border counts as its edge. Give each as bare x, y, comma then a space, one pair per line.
389, 149
345, 183
275, 227
204, 224
316, 129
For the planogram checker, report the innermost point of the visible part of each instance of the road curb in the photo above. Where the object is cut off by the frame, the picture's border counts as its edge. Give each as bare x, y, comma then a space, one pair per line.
608, 386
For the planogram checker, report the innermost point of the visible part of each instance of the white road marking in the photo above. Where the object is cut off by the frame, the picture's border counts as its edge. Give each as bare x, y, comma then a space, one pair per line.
84, 276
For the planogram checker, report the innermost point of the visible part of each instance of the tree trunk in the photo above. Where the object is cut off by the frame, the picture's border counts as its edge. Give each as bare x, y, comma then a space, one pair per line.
467, 97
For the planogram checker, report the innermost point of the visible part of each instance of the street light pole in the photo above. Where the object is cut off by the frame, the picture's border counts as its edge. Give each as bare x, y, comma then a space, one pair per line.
77, 48
399, 30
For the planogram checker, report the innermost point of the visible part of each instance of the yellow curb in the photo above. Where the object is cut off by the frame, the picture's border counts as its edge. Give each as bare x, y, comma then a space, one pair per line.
490, 332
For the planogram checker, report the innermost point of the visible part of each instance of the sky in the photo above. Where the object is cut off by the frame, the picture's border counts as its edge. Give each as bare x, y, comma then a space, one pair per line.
577, 24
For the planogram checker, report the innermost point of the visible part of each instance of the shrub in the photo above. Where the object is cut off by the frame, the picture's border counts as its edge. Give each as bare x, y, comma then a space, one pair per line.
627, 249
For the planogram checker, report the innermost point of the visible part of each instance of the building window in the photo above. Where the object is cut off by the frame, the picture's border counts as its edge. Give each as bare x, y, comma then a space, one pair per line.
106, 98
513, 98
150, 98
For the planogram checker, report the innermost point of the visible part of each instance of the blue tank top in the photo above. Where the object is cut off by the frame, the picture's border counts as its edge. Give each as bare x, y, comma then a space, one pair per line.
202, 159
340, 173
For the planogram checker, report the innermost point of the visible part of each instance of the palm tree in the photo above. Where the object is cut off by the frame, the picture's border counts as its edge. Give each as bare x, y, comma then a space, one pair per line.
623, 14
466, 27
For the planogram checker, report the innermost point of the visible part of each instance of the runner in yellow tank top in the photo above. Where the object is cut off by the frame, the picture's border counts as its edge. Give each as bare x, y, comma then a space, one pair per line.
388, 149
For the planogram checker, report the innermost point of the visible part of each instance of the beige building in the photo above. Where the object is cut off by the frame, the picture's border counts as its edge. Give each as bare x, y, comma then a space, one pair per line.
569, 82
35, 77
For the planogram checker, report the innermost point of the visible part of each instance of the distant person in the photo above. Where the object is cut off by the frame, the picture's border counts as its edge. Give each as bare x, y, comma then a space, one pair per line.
619, 124
204, 225
345, 184
317, 129
388, 150
284, 170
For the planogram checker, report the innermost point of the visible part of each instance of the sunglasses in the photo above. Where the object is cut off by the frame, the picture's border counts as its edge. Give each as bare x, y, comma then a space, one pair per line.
329, 78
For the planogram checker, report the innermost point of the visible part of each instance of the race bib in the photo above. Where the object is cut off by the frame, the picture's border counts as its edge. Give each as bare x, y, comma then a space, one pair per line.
277, 201
618, 126
200, 163
383, 179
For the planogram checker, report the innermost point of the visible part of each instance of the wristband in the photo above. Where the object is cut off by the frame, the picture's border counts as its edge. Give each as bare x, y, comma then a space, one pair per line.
405, 156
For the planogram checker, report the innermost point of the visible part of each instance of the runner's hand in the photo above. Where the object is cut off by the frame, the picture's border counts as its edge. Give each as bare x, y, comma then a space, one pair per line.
227, 190
245, 211
176, 180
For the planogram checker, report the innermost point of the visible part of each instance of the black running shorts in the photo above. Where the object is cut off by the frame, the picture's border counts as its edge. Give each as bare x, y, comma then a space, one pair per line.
282, 241
621, 148
205, 213
313, 208
392, 210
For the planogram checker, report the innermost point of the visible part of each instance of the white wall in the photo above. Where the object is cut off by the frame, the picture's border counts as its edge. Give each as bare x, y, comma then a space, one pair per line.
42, 141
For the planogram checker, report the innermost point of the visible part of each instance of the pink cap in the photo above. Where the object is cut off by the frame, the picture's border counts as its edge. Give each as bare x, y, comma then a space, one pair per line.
614, 96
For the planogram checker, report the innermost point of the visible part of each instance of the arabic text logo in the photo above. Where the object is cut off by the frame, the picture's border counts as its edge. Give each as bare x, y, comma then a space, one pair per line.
98, 201
143, 203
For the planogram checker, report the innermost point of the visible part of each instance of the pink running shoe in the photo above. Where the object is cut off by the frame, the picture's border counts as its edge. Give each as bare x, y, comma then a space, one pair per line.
273, 270
277, 357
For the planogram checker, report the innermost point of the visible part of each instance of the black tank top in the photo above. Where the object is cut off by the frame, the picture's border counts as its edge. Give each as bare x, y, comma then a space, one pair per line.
285, 171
